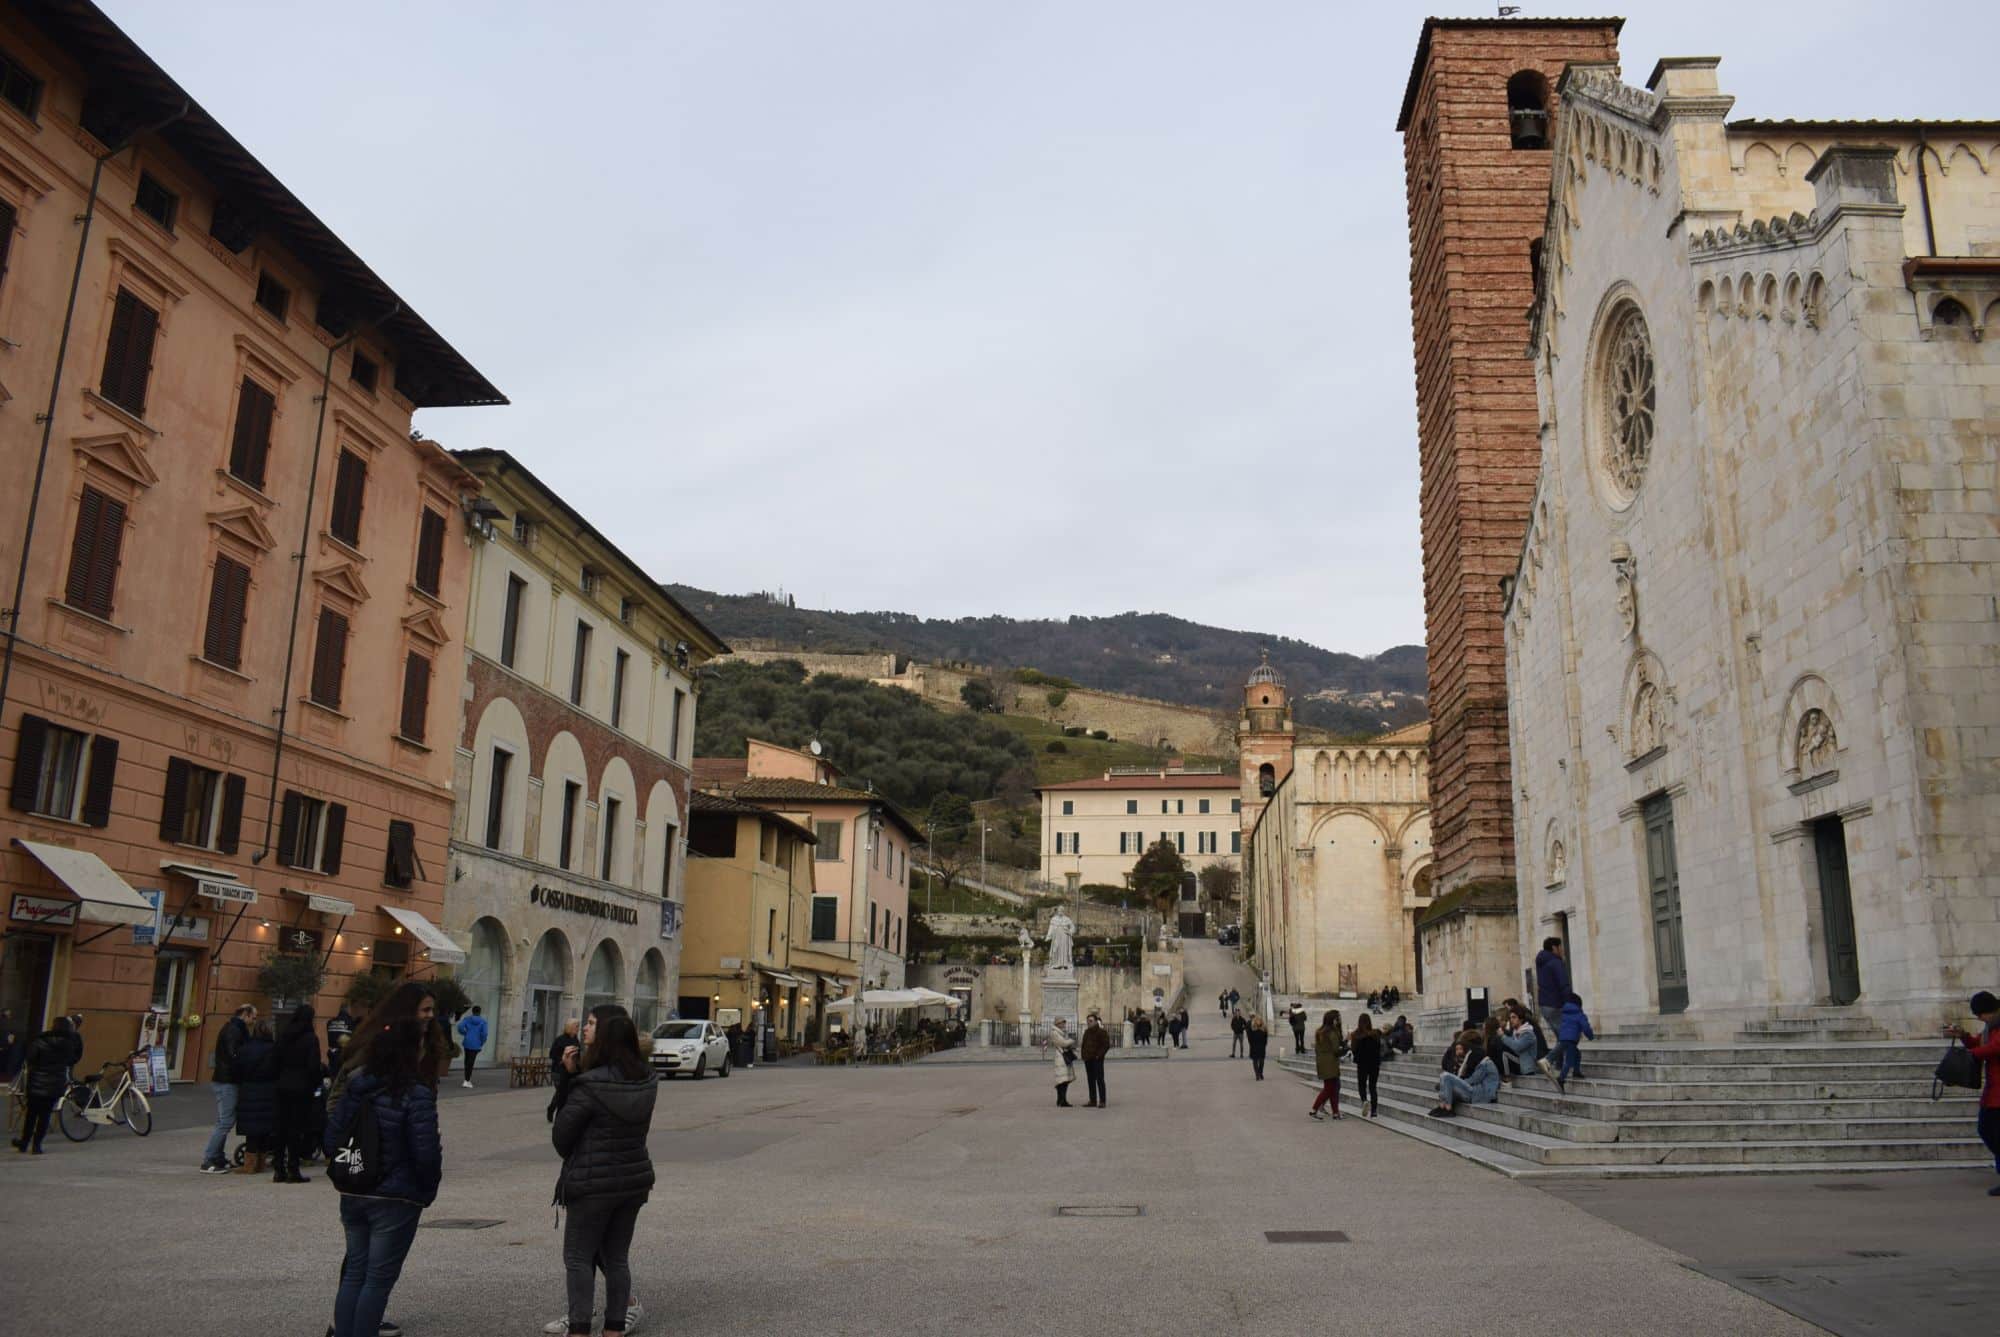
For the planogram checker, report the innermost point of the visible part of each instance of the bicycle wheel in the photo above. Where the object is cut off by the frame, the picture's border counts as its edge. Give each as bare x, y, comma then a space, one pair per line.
69, 1113
135, 1111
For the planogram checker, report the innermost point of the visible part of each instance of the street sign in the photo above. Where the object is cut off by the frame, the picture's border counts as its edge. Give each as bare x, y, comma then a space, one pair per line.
226, 893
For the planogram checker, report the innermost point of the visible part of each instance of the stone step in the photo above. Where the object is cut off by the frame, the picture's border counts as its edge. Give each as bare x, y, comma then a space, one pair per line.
1922, 1054
1583, 1100
1755, 1082
1587, 1130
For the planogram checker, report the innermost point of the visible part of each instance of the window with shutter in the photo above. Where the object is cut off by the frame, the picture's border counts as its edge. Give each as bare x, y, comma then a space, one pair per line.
496, 798
93, 553
7, 218
416, 695
31, 741
329, 659
334, 837
250, 448
510, 621
618, 663
128, 353
97, 787
228, 599
350, 481
18, 88
154, 200
579, 663
825, 919
572, 795
273, 296
401, 868
430, 551
229, 827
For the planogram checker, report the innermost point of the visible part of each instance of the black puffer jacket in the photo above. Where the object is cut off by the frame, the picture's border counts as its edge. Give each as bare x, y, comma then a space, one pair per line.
600, 1132
255, 1068
51, 1055
298, 1066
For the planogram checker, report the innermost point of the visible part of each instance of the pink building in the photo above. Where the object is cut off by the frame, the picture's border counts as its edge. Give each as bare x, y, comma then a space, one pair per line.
229, 704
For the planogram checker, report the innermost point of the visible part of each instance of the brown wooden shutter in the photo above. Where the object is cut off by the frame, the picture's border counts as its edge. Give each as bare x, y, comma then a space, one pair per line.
329, 658
229, 831
251, 448
93, 553
30, 742
128, 353
350, 481
228, 597
334, 836
401, 870
288, 827
173, 801
416, 695
430, 552
97, 791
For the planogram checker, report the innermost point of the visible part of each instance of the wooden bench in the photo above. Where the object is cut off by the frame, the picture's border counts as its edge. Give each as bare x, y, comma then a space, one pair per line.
527, 1072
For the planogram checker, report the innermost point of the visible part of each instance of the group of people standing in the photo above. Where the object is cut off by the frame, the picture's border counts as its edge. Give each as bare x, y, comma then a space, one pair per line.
1064, 1048
1159, 1027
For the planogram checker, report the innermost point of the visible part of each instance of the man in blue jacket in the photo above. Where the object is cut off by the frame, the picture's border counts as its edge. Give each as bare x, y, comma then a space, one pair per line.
472, 1039
1551, 982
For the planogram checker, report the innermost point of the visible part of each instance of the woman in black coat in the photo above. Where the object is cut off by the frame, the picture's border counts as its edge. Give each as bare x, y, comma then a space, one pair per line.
600, 1132
298, 1071
256, 1071
51, 1055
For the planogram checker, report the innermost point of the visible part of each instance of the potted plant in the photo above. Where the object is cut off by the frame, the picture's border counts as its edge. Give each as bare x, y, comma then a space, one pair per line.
286, 979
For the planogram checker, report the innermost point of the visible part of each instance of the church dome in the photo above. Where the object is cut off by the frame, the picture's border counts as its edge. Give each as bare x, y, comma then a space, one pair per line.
1264, 673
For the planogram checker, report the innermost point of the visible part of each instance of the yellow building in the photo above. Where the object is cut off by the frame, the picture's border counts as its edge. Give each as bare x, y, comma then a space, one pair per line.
749, 898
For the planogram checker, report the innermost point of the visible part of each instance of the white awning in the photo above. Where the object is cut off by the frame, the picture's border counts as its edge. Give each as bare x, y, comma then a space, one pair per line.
442, 949
326, 905
107, 898
780, 977
892, 1000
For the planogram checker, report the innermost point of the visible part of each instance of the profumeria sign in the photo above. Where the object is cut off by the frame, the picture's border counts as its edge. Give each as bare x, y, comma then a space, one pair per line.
555, 898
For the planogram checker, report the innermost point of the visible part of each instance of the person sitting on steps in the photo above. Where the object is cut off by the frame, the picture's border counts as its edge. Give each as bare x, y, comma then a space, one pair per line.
1477, 1081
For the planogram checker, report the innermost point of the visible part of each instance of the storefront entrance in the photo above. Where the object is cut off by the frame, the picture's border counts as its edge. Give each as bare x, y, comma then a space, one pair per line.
27, 961
173, 982
548, 978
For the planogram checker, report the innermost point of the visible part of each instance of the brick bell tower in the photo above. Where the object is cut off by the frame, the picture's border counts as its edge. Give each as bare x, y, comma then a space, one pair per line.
1264, 739
1475, 124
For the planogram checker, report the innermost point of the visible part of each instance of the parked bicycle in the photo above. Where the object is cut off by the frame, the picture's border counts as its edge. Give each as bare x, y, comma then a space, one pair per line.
101, 1099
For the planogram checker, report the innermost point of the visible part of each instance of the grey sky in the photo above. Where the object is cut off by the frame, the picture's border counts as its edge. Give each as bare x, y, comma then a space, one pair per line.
1029, 308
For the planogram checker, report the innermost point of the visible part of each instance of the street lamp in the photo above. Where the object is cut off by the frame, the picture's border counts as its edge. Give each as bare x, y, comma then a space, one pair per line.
983, 829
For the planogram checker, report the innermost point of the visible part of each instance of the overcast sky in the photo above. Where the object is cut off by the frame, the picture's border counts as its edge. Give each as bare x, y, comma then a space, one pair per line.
1008, 307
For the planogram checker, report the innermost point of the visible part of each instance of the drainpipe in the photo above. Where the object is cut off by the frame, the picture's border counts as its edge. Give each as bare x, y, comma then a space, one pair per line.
299, 577
12, 613
1924, 193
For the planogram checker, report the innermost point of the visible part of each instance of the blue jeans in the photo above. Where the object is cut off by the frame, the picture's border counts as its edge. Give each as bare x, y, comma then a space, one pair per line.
379, 1234
1566, 1059
225, 1119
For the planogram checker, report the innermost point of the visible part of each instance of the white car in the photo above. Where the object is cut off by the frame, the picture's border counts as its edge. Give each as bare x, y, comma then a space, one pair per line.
690, 1046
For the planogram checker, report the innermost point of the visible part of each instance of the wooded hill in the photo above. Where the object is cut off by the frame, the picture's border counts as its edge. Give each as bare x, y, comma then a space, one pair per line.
1143, 654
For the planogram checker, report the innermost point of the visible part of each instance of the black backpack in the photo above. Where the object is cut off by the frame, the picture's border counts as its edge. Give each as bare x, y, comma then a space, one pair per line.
1957, 1068
356, 1163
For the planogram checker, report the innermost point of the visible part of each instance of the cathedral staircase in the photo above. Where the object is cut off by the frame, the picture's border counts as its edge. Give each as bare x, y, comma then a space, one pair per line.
1799, 1096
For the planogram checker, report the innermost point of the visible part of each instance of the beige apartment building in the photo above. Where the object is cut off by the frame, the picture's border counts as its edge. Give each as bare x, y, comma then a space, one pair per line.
1093, 831
234, 659
749, 903
572, 771
863, 849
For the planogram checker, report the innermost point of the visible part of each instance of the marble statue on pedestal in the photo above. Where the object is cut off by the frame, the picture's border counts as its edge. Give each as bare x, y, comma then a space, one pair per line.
1061, 934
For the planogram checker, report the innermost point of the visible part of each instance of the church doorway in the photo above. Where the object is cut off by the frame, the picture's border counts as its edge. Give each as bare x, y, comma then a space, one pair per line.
1664, 887
1836, 907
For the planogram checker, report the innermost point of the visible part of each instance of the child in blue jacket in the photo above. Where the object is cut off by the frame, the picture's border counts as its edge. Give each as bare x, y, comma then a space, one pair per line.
1572, 1027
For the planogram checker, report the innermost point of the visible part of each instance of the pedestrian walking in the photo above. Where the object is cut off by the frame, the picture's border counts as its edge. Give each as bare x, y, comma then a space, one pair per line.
1551, 982
257, 1096
1062, 1049
1297, 1016
1222, 1001
297, 1072
1366, 1046
1234, 999
222, 1080
1986, 1048
391, 1079
472, 1039
570, 1066
1239, 1033
339, 1030
607, 1175
1259, 1039
1329, 1043
50, 1057
1095, 1045
1181, 1039
1572, 1028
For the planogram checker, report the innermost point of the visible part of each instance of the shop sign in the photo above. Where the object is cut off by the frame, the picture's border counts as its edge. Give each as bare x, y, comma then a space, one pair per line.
670, 919
186, 928
555, 898
299, 941
958, 977
226, 893
48, 911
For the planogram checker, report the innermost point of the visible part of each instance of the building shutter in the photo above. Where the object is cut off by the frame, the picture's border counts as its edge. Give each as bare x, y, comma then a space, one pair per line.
333, 839
350, 480
329, 658
229, 831
103, 770
93, 553
29, 744
416, 695
401, 870
128, 353
228, 595
173, 802
288, 827
430, 551
251, 448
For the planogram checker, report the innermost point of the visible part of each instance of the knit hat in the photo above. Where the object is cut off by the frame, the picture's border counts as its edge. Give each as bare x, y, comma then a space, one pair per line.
1984, 1002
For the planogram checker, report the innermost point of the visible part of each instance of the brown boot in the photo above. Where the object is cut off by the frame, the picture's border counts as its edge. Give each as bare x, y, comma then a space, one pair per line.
253, 1163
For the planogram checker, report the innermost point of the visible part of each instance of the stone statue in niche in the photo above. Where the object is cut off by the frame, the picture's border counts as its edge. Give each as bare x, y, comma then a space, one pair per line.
1625, 574
1649, 725
1558, 864
1816, 742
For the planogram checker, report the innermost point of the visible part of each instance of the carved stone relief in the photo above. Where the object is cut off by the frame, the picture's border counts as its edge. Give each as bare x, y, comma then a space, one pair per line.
1817, 743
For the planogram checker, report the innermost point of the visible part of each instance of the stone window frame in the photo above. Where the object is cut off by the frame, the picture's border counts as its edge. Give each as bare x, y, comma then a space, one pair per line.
1615, 313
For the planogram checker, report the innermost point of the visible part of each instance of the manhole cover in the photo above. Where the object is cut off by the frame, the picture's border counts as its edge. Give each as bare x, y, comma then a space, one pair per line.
1874, 1253
1850, 1188
1100, 1211
1305, 1237
460, 1223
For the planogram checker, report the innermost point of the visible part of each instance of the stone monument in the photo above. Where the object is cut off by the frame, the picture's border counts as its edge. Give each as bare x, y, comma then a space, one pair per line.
1059, 990
1027, 958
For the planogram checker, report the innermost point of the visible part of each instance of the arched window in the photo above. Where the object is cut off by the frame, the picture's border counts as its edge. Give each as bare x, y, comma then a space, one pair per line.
1267, 779
1528, 110
1950, 318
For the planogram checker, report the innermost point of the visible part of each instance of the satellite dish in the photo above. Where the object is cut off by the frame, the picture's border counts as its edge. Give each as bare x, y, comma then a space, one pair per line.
814, 747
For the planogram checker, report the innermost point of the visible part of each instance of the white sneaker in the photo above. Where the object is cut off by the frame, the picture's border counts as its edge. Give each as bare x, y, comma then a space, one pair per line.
634, 1313
1548, 1070
466, 1084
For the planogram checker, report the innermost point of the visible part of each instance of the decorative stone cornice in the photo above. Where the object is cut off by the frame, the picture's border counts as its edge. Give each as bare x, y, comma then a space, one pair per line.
1774, 234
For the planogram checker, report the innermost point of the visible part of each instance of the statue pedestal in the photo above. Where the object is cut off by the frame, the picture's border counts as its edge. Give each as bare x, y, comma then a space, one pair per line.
1059, 999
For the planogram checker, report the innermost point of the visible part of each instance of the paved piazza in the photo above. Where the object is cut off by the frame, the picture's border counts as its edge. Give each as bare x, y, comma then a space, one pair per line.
925, 1200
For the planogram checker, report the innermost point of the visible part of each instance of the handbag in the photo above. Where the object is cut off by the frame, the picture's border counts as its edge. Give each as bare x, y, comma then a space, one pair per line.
1957, 1068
